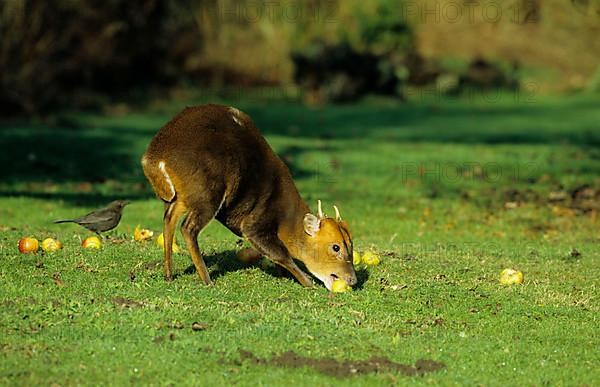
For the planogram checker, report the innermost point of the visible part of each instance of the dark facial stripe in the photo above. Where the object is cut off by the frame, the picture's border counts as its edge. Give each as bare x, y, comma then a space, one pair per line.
347, 242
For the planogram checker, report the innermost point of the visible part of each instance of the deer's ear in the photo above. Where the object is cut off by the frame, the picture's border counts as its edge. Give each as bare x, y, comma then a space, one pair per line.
311, 224
344, 226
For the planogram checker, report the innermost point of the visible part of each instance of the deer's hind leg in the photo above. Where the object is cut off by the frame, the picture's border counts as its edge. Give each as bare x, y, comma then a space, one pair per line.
194, 222
173, 212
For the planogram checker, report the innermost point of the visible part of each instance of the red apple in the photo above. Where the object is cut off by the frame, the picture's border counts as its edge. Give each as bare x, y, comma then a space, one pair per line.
28, 245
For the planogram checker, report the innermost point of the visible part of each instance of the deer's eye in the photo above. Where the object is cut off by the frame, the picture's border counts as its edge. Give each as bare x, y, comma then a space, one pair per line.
335, 248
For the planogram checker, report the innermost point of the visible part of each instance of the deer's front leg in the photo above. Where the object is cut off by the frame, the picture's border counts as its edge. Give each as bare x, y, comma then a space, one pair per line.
272, 247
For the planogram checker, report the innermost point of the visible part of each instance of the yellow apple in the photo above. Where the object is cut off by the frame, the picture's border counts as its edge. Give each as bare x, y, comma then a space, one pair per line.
511, 276
50, 245
92, 242
356, 258
141, 234
160, 241
340, 286
370, 258
28, 245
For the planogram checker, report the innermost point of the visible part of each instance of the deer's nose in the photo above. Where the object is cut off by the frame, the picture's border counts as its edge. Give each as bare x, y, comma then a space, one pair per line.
351, 279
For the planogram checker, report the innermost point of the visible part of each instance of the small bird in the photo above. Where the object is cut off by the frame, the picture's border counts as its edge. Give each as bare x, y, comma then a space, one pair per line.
103, 219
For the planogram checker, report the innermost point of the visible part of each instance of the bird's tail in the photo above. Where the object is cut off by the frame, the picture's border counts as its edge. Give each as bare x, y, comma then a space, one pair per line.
64, 221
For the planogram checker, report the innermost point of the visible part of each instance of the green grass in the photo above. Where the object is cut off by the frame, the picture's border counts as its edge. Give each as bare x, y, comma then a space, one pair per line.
444, 237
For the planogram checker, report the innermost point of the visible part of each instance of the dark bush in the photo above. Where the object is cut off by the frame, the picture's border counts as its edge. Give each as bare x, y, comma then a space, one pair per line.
483, 74
339, 73
372, 61
66, 52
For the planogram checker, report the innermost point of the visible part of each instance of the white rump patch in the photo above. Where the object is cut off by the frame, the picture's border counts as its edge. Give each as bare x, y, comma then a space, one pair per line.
235, 114
162, 167
237, 121
220, 206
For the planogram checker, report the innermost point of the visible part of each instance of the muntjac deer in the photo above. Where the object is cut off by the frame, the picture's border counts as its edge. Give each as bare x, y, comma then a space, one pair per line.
210, 162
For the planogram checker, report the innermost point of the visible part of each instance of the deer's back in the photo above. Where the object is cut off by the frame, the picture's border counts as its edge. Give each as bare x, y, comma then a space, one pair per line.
211, 148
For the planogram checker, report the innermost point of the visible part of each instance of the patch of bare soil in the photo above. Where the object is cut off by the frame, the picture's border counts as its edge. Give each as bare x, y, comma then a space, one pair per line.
152, 265
345, 368
125, 303
576, 201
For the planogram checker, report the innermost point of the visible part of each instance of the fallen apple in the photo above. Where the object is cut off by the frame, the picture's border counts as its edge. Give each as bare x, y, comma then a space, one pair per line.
28, 245
160, 241
92, 242
370, 258
511, 276
50, 245
356, 258
142, 234
340, 286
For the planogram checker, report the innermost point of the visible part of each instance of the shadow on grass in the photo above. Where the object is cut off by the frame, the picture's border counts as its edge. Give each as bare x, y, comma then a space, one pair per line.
83, 166
290, 156
109, 150
362, 276
220, 264
502, 123
79, 199
224, 262
45, 154
86, 165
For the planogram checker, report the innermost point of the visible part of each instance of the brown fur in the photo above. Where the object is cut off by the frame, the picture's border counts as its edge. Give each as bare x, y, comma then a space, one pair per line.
210, 162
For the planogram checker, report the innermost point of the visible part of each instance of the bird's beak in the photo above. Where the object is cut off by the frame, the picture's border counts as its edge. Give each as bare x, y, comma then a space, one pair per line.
126, 202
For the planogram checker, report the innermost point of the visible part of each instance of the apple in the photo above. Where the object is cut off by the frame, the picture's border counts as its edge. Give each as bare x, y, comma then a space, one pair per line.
141, 234
50, 245
511, 276
356, 258
28, 245
92, 242
160, 241
340, 286
370, 258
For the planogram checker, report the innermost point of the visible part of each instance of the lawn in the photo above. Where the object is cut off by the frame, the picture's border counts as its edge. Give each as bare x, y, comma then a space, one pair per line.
448, 194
